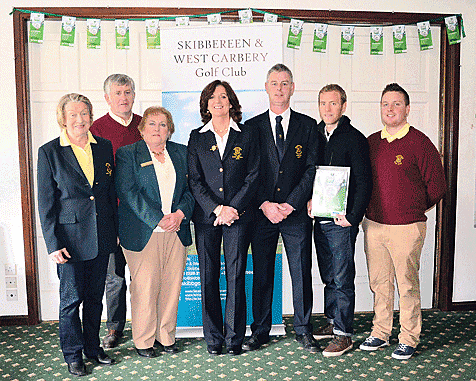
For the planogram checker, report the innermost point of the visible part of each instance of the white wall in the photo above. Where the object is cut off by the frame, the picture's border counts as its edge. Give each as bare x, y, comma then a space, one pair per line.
11, 235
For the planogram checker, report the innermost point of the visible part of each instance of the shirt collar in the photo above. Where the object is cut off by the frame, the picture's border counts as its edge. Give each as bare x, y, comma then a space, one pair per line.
286, 114
119, 120
400, 134
65, 141
209, 126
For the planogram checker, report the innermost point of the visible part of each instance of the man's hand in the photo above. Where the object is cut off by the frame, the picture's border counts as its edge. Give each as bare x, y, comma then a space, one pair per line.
60, 256
273, 211
286, 209
171, 222
342, 221
309, 208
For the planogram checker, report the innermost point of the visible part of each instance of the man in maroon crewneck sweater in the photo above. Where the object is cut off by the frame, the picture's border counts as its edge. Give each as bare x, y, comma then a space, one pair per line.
119, 126
408, 179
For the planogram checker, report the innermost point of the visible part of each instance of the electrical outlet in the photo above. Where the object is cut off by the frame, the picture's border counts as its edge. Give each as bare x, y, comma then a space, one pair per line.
11, 282
10, 269
12, 295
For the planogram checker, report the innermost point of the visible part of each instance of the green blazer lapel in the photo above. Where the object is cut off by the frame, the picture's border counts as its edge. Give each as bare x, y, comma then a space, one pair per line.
146, 170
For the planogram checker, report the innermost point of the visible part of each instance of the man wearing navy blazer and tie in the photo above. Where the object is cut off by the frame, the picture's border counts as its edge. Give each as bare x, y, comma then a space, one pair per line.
289, 153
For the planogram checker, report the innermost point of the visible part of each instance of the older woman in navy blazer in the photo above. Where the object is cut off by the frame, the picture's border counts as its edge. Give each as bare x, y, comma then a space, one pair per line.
77, 206
155, 207
223, 164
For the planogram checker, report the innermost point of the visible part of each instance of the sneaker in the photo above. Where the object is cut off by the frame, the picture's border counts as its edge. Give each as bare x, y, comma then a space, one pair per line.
403, 352
338, 346
325, 332
372, 343
308, 342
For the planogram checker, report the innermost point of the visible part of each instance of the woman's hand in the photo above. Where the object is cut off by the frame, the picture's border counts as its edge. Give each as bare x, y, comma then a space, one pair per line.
227, 216
171, 222
60, 256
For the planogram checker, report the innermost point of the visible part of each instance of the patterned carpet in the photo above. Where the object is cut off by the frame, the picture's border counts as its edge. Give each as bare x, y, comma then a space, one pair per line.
447, 352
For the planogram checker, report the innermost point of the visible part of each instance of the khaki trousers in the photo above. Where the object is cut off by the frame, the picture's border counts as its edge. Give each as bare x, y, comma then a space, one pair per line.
156, 273
393, 251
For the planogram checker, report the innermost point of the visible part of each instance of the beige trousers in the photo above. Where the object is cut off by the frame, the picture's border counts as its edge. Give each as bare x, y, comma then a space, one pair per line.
156, 274
393, 251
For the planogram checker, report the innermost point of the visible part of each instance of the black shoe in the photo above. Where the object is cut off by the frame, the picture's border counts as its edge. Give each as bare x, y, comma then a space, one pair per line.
77, 368
254, 343
112, 338
147, 352
214, 350
102, 359
171, 348
308, 342
234, 351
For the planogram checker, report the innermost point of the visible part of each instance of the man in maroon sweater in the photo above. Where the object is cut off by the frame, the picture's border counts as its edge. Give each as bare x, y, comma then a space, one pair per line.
408, 179
119, 126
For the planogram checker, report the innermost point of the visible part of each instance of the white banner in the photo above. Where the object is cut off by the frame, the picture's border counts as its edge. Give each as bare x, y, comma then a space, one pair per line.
192, 57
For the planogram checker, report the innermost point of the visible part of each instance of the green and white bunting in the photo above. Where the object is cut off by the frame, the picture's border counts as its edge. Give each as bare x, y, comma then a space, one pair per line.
93, 33
152, 33
424, 35
452, 30
295, 34
68, 30
122, 34
37, 27
246, 16
376, 40
347, 40
214, 19
319, 44
399, 39
182, 21
270, 18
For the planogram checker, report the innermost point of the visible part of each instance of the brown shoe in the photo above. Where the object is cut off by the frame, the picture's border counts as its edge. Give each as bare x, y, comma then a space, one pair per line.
111, 339
324, 332
338, 346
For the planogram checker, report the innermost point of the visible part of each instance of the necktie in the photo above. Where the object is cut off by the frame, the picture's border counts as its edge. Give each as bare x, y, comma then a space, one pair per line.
279, 137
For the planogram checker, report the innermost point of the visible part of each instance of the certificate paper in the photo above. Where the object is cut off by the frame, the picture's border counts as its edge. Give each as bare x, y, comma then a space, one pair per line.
329, 196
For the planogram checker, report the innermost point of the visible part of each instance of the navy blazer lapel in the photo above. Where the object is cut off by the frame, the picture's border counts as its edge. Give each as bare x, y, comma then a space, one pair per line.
148, 171
70, 157
210, 145
293, 128
230, 142
269, 138
101, 167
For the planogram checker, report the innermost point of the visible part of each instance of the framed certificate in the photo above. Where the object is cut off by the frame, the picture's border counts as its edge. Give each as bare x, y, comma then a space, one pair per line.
329, 195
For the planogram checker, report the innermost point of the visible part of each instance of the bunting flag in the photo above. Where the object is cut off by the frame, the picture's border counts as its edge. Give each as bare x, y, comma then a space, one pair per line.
454, 27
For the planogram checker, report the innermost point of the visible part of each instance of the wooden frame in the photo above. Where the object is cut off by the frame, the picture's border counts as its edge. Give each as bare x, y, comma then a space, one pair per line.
448, 128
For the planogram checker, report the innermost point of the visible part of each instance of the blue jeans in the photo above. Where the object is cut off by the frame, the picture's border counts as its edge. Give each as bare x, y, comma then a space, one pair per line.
335, 247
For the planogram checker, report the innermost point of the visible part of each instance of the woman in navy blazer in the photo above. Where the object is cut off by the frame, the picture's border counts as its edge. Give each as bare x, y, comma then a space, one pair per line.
155, 207
223, 162
77, 206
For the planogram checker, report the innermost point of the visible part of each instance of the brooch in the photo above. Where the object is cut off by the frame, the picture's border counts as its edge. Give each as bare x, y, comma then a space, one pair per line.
237, 153
108, 169
298, 151
214, 148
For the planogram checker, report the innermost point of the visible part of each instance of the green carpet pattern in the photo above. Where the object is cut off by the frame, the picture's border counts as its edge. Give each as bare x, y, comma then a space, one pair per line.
447, 352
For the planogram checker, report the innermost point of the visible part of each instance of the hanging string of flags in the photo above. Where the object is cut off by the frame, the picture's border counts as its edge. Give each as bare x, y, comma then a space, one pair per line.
454, 28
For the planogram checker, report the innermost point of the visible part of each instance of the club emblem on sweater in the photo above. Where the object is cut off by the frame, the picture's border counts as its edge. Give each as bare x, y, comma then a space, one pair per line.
398, 160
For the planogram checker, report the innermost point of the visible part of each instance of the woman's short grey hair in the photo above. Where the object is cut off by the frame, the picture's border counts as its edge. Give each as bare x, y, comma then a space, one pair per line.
119, 80
68, 98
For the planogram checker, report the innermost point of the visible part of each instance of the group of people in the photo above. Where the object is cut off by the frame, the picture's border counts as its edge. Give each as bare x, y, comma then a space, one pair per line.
118, 191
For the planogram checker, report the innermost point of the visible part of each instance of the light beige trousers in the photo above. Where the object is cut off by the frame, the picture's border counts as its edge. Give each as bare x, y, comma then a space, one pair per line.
156, 273
393, 251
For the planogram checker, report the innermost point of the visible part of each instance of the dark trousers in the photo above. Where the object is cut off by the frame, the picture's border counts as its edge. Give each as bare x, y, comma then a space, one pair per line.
297, 239
335, 248
116, 288
81, 282
231, 329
